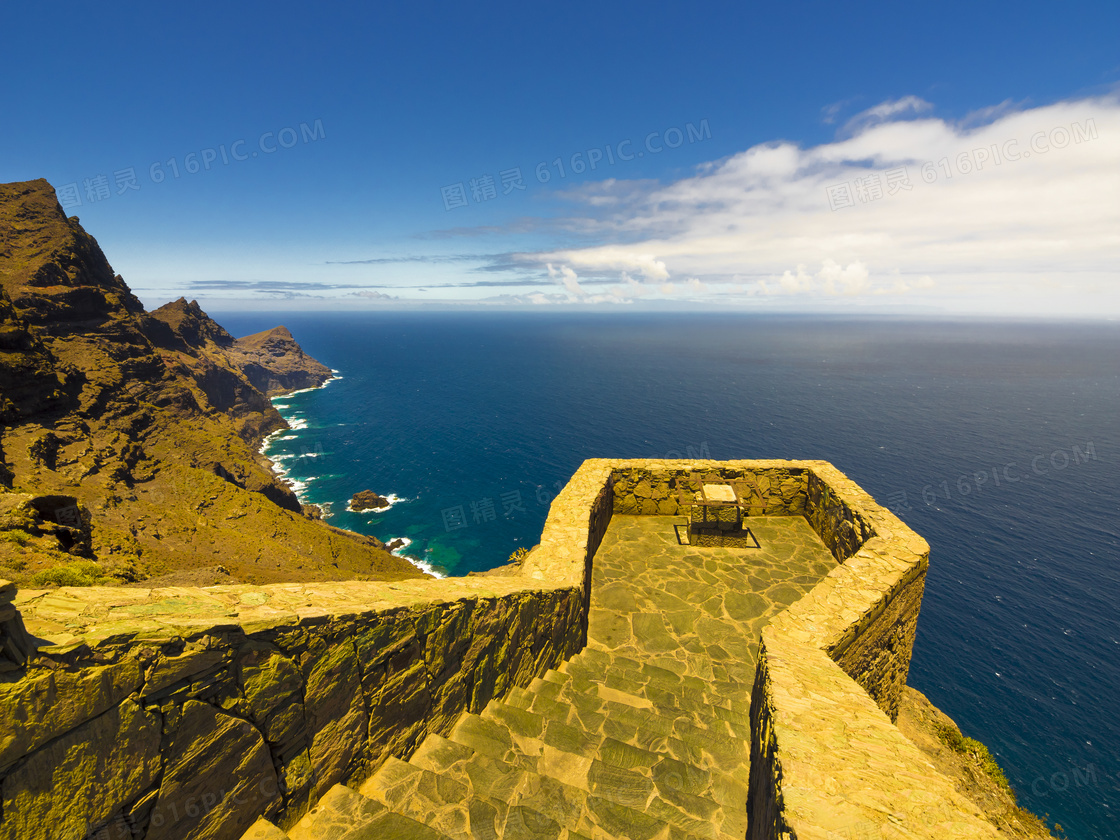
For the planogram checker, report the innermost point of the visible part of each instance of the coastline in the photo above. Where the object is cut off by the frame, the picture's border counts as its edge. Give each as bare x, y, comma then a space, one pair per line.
299, 487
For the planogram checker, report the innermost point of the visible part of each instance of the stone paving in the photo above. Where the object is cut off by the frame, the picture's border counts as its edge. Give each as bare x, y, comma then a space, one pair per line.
698, 611
645, 734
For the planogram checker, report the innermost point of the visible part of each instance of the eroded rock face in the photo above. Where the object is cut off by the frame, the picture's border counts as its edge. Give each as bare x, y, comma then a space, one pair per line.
190, 340
218, 778
276, 364
81, 779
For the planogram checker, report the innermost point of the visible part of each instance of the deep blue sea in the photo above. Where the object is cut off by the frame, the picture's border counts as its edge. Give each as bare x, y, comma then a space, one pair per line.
997, 442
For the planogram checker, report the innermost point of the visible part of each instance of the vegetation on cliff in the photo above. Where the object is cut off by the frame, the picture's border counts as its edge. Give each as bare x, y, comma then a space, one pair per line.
970, 765
129, 440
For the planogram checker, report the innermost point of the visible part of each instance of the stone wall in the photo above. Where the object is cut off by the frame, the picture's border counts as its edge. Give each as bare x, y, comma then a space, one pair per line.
188, 713
667, 488
166, 731
183, 713
842, 528
826, 758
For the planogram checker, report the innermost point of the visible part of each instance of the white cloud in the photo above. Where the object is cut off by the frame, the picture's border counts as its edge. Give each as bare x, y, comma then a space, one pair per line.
885, 111
371, 295
568, 279
990, 217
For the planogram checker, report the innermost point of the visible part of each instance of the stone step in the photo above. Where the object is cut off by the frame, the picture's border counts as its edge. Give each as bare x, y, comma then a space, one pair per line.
652, 782
262, 829
437, 800
729, 704
726, 788
700, 747
344, 814
650, 672
568, 755
592, 816
589, 703
720, 720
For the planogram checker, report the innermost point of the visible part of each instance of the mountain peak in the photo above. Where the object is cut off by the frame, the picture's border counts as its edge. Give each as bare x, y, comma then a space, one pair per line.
53, 271
190, 324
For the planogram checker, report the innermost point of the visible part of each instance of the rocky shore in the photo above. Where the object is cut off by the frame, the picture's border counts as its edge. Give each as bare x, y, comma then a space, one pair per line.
129, 440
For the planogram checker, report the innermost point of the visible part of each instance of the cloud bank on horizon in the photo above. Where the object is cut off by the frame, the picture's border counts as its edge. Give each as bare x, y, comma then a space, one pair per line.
1012, 210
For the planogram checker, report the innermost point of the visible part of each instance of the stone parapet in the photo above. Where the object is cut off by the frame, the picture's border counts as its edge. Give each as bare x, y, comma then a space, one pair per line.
667, 488
826, 758
189, 713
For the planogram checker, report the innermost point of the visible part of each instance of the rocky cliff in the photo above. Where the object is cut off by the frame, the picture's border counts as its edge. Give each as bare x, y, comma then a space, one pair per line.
275, 364
129, 440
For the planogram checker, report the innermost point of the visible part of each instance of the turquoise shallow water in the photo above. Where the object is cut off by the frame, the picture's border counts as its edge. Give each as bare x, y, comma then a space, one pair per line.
996, 442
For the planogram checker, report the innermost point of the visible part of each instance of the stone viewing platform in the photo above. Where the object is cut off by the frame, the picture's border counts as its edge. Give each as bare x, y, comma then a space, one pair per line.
621, 683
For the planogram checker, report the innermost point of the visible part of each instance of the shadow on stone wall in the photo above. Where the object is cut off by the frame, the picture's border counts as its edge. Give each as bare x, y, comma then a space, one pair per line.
188, 713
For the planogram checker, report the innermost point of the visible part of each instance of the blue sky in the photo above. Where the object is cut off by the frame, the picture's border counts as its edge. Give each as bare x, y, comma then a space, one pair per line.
953, 158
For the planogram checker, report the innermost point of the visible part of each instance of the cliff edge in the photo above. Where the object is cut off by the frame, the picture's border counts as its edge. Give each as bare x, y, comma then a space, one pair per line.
129, 440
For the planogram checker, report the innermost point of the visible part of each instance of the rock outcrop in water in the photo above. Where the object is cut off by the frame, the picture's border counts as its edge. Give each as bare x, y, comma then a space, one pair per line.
368, 500
149, 423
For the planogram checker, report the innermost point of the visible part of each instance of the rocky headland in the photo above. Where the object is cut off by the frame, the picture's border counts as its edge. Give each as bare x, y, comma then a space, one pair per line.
129, 440
275, 364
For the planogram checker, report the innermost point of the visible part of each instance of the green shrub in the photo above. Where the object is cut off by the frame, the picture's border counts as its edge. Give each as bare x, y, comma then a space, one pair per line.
82, 573
954, 740
519, 555
16, 536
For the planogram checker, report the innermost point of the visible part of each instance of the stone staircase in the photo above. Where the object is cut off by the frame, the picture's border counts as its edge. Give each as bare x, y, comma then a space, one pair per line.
605, 747
644, 735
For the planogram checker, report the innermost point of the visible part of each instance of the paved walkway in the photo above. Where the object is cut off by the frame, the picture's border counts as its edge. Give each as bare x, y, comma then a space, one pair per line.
698, 611
645, 734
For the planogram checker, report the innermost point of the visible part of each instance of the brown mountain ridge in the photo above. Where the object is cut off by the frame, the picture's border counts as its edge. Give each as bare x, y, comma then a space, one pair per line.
129, 440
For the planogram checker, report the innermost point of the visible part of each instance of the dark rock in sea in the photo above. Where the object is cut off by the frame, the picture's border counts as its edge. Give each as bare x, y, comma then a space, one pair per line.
368, 500
393, 545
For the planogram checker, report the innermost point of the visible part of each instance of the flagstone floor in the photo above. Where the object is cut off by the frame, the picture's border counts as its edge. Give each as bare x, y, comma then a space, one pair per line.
643, 735
698, 611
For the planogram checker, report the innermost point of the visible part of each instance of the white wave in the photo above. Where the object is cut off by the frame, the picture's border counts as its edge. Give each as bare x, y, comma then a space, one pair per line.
270, 438
296, 423
299, 487
327, 382
422, 565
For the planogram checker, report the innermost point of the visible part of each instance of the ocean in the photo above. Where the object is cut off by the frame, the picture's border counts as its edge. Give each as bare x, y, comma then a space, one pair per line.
996, 441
